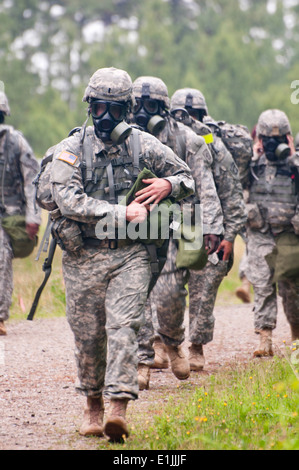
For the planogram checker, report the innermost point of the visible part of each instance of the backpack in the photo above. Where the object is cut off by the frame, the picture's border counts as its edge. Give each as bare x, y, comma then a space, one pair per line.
239, 143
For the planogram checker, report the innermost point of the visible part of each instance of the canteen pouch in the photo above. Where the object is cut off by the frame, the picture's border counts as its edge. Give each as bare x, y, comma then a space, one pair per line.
191, 252
295, 222
15, 227
284, 259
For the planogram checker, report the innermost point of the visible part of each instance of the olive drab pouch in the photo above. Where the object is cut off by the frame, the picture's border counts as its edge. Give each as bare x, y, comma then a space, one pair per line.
15, 227
284, 259
191, 252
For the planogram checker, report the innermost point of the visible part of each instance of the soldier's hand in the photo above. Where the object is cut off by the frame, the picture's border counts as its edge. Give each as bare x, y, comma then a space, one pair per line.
290, 139
157, 189
226, 247
211, 243
136, 213
32, 230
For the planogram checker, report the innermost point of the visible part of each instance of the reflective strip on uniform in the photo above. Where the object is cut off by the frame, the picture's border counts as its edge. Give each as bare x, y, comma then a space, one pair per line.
208, 138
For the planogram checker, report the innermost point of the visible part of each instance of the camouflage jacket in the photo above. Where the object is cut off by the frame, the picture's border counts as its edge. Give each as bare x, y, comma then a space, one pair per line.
18, 168
67, 176
227, 182
193, 150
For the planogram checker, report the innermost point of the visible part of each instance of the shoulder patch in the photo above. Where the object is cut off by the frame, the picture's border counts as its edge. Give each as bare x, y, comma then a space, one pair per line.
68, 157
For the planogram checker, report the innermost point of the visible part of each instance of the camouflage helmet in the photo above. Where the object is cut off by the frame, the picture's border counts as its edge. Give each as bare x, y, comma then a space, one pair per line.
4, 106
273, 123
110, 84
151, 87
188, 97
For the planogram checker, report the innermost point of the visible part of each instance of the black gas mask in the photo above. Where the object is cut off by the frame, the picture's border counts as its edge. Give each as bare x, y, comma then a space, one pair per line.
147, 112
276, 148
108, 119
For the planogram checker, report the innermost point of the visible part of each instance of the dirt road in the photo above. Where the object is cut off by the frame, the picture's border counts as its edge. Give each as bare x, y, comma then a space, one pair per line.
39, 408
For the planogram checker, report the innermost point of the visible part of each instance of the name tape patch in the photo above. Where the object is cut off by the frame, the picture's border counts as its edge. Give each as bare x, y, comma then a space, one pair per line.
68, 157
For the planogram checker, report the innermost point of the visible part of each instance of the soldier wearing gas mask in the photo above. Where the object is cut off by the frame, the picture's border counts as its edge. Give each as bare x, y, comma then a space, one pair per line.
273, 227
167, 300
107, 278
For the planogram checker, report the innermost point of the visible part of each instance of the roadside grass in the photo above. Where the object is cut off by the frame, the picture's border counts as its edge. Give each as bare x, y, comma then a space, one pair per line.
251, 407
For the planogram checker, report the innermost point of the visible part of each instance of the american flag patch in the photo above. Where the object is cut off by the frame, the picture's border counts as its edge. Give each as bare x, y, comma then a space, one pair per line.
68, 157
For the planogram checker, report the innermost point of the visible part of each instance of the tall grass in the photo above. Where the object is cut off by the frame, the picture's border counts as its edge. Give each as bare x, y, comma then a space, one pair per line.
240, 408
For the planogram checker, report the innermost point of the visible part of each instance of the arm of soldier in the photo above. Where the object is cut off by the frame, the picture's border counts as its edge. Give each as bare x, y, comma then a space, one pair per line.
29, 168
200, 161
175, 174
230, 193
73, 202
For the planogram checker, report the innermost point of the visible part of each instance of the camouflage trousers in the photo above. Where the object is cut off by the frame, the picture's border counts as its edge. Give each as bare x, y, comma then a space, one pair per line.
6, 275
265, 291
203, 288
165, 309
106, 291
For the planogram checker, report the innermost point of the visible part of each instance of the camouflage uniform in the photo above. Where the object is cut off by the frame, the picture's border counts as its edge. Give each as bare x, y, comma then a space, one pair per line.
168, 298
203, 285
18, 168
270, 213
106, 288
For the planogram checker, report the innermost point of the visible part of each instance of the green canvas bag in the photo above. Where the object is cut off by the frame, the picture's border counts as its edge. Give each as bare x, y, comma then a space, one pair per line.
284, 259
191, 252
155, 229
15, 227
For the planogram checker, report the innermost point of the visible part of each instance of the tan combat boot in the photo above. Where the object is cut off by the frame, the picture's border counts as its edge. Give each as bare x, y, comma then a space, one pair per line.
179, 363
143, 376
265, 346
116, 427
161, 357
93, 417
196, 357
243, 292
295, 332
2, 328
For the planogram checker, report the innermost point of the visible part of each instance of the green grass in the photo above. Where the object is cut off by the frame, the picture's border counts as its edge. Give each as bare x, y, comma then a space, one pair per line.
253, 407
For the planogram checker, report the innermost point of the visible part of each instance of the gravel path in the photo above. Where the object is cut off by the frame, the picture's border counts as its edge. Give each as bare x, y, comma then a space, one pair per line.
39, 408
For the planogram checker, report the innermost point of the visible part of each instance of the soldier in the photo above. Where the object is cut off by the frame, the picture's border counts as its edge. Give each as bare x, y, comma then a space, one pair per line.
296, 142
107, 279
272, 209
168, 298
18, 168
203, 285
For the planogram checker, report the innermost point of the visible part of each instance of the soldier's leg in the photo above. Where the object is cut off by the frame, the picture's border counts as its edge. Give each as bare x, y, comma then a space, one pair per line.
86, 286
125, 300
203, 287
6, 279
169, 299
265, 297
289, 291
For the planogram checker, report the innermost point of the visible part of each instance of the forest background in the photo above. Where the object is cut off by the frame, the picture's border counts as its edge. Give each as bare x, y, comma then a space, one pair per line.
242, 54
